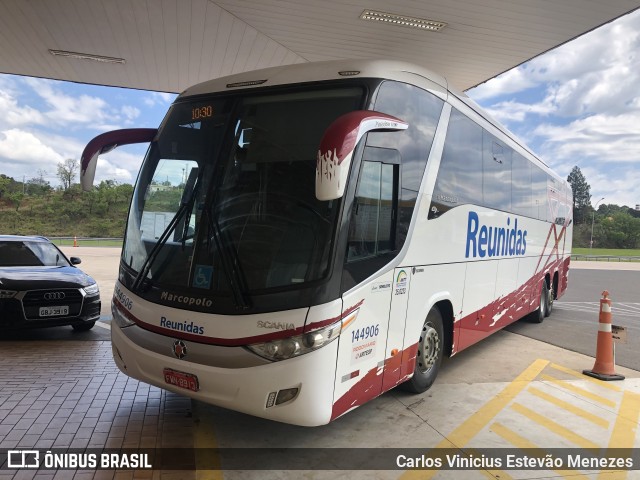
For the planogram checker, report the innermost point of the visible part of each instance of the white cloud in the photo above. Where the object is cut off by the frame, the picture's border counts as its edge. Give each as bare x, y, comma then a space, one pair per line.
66, 109
23, 146
81, 111
155, 98
512, 111
129, 112
599, 70
121, 164
515, 80
580, 105
14, 115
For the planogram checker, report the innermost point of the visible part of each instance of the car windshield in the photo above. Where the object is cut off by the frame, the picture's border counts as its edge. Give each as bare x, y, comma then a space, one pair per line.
30, 254
226, 195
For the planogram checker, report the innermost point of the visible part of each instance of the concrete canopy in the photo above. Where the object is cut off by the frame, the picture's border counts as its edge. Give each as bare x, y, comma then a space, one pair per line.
168, 45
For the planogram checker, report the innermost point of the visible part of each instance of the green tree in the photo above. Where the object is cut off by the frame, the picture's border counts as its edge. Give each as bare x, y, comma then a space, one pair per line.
6, 184
67, 172
621, 230
38, 185
16, 198
581, 195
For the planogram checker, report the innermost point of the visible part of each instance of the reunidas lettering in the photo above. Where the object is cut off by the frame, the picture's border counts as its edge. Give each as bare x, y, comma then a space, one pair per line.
182, 326
198, 302
490, 241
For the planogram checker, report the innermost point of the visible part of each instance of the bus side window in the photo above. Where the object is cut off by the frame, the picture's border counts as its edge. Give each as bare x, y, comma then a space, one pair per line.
372, 225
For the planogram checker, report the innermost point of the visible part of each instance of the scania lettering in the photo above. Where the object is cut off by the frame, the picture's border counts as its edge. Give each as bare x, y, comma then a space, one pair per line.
276, 325
301, 241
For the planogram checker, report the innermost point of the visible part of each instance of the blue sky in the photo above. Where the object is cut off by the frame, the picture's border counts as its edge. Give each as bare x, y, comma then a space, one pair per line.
576, 105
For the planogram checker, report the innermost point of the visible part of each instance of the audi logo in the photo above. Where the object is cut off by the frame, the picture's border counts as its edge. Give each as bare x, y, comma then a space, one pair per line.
54, 295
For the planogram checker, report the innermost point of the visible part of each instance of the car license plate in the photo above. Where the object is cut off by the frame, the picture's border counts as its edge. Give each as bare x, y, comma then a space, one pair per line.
54, 311
184, 380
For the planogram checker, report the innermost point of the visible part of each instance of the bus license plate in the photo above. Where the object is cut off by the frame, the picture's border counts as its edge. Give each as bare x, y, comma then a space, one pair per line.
181, 379
54, 311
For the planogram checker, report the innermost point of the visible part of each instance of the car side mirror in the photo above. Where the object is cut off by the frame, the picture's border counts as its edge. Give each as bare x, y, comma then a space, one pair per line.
338, 144
106, 142
75, 260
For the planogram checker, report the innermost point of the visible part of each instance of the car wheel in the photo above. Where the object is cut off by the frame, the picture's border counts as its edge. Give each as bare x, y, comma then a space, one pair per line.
83, 327
538, 315
429, 355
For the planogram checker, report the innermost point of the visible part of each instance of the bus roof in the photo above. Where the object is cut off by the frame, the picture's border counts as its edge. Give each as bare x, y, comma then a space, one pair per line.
339, 70
320, 71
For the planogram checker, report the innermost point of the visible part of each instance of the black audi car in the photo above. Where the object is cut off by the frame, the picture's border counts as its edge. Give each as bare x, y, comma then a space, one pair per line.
41, 287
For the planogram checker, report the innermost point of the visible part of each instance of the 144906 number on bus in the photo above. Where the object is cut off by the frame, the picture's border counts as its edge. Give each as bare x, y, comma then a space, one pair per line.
364, 333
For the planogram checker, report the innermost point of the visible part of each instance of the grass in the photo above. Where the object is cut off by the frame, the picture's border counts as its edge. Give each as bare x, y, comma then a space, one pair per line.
88, 242
612, 252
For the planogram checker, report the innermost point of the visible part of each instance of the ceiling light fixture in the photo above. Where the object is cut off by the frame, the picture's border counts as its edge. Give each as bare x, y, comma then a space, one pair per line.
86, 56
403, 21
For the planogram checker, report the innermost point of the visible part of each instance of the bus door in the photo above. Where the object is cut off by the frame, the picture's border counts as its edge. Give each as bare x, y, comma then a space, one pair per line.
370, 288
396, 357
371, 353
362, 348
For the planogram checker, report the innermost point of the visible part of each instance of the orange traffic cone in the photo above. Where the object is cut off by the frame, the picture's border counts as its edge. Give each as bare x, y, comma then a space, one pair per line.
604, 368
75, 241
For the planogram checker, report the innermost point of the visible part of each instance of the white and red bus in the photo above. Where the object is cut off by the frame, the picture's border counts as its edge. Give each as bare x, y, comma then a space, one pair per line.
302, 239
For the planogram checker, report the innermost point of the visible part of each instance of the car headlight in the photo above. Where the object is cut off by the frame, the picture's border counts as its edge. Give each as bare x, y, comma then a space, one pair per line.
8, 293
91, 289
119, 318
298, 344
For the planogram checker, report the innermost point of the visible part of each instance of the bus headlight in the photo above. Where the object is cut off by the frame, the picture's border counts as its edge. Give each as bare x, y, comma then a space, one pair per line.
298, 344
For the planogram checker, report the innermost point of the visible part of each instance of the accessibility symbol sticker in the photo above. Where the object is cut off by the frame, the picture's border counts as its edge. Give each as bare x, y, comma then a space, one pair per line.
202, 276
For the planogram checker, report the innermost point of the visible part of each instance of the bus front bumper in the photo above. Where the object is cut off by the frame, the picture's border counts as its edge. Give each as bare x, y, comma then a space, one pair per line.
248, 390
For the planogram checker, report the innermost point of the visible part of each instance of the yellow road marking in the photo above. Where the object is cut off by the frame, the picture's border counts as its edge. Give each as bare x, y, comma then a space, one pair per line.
475, 423
204, 438
521, 442
579, 391
582, 376
555, 427
601, 422
624, 430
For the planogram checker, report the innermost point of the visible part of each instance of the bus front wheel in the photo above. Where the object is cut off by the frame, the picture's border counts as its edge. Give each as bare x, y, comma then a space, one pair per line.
429, 355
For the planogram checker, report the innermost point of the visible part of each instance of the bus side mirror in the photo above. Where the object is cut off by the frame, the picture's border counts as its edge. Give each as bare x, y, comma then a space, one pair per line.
337, 146
106, 142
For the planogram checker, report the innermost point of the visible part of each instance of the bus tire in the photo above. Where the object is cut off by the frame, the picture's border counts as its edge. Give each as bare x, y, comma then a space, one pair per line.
550, 295
429, 354
538, 315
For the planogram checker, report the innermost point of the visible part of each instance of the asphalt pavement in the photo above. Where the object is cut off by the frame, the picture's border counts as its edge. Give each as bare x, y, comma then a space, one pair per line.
573, 323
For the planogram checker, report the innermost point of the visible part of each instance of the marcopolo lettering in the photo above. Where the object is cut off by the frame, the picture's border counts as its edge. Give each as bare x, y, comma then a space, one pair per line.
182, 326
198, 302
491, 241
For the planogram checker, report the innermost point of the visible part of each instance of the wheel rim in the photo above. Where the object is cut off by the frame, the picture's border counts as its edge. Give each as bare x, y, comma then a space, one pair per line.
429, 348
543, 303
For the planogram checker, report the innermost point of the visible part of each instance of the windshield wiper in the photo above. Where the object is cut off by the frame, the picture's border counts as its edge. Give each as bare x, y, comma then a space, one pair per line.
186, 206
230, 266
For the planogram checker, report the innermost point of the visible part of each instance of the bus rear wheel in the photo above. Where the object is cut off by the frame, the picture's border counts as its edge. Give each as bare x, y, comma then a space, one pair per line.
550, 299
429, 355
538, 315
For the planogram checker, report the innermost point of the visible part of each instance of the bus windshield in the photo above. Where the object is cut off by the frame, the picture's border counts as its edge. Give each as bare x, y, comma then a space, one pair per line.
225, 200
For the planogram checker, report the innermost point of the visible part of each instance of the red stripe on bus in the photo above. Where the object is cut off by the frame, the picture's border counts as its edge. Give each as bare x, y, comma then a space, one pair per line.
227, 342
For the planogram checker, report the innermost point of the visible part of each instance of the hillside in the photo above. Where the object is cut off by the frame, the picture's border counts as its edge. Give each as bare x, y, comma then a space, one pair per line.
99, 213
